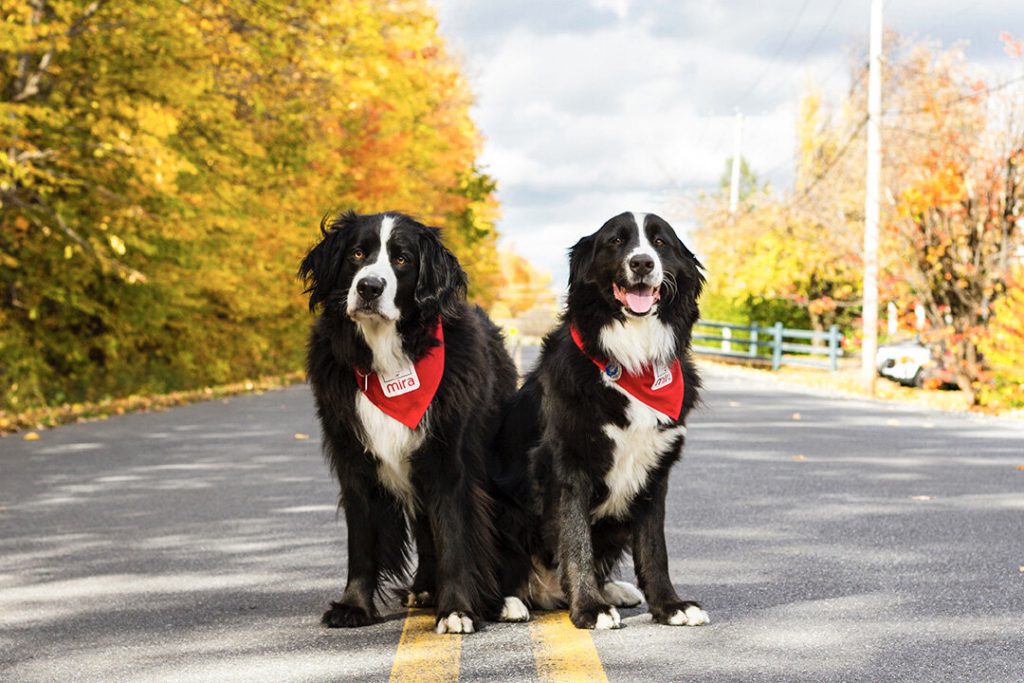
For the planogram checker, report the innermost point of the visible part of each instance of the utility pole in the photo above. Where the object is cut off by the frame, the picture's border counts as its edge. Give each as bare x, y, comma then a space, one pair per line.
871, 208
737, 144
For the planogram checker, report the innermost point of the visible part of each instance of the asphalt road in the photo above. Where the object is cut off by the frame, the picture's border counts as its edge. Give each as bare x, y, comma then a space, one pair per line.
829, 539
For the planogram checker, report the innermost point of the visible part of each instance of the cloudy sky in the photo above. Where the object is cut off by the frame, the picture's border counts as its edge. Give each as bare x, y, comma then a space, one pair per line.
593, 107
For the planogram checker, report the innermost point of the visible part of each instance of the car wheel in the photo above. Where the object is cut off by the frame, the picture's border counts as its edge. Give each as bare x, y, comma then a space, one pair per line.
918, 379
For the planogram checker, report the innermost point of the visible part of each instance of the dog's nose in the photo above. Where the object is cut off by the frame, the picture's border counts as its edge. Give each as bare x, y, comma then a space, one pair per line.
641, 264
370, 288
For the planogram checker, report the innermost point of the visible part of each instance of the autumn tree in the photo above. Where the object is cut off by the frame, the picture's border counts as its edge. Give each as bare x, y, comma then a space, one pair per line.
163, 166
522, 289
952, 193
794, 256
958, 197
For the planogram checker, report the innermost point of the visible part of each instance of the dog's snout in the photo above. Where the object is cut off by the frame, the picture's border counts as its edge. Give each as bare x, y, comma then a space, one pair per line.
369, 288
641, 264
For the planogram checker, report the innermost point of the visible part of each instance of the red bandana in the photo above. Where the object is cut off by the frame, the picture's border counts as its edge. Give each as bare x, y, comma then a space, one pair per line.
406, 395
659, 387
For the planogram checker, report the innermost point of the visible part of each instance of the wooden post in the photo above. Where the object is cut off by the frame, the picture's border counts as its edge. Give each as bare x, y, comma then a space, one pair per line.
871, 203
777, 347
833, 347
753, 340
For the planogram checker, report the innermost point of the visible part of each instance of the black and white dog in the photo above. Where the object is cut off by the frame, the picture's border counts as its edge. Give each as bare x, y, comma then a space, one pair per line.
409, 382
599, 423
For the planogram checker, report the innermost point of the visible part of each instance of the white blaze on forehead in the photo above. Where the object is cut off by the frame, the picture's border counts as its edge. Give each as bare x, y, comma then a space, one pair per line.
639, 219
644, 247
387, 224
380, 267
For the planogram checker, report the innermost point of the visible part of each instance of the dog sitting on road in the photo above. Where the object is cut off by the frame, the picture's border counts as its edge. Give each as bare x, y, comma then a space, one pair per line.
409, 382
592, 434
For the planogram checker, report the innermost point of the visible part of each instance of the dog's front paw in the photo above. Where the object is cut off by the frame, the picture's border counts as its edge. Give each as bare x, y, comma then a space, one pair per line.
347, 616
456, 622
514, 610
681, 614
412, 598
601, 618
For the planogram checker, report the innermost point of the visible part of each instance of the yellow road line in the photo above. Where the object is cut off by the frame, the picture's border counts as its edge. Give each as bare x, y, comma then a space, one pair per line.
564, 653
424, 656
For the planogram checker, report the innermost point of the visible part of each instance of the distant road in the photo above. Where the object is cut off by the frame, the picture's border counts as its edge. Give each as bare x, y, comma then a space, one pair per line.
830, 540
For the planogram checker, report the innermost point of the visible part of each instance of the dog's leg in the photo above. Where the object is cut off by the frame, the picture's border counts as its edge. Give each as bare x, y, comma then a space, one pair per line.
376, 546
651, 563
424, 585
465, 551
587, 607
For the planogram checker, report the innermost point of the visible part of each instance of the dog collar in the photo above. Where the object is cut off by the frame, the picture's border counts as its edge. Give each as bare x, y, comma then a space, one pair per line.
659, 387
406, 394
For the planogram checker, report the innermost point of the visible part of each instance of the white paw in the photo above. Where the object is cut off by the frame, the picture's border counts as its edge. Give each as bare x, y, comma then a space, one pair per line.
514, 610
456, 622
607, 620
691, 616
417, 599
621, 594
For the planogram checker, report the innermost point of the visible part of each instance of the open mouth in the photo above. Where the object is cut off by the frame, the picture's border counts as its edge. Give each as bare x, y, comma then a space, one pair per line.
638, 299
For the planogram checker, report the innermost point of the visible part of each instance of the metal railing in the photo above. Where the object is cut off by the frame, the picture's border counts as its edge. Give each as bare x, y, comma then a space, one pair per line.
747, 341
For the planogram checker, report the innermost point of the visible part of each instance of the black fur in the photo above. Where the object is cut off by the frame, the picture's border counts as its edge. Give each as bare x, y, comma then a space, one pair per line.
555, 453
453, 523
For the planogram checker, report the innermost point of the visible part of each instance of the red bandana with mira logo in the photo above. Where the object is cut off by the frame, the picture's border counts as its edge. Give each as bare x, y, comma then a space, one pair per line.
659, 387
406, 394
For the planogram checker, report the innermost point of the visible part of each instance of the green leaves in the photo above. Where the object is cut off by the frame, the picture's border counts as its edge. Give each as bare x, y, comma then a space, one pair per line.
168, 166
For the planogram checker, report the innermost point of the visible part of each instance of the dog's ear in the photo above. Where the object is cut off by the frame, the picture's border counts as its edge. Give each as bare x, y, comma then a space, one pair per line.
581, 257
441, 284
321, 267
689, 282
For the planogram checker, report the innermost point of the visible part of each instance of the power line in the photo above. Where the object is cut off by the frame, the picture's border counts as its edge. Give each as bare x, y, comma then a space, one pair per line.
771, 62
821, 31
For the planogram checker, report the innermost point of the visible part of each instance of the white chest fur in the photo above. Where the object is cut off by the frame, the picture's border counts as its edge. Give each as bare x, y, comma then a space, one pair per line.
392, 443
637, 449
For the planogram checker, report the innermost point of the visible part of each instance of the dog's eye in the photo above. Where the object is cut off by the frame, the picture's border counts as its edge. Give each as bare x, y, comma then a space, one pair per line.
358, 254
617, 241
401, 260
658, 242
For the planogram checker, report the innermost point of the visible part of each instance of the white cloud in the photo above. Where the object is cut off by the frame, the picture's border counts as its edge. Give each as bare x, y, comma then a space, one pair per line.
593, 107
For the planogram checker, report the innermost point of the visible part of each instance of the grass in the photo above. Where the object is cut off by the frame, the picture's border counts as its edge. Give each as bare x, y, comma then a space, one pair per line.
847, 382
42, 418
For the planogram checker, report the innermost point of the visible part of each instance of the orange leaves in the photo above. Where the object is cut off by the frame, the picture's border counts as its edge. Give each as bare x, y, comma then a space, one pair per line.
1014, 47
198, 144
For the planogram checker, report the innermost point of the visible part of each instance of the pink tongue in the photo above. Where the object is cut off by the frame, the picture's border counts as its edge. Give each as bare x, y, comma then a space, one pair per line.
640, 301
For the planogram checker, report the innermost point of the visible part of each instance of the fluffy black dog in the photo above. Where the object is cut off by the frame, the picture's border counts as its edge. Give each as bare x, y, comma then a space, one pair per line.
592, 434
409, 382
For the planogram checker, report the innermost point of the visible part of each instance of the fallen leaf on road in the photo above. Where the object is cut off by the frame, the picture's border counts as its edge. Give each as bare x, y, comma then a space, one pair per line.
796, 416
1021, 568
1020, 467
800, 458
734, 404
31, 436
301, 437
922, 497
893, 423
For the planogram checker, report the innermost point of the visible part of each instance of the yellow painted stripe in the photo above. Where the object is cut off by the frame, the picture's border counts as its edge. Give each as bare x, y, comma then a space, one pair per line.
564, 653
424, 656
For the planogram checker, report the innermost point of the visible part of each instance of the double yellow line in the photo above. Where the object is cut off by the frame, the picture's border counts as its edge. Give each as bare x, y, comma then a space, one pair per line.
562, 652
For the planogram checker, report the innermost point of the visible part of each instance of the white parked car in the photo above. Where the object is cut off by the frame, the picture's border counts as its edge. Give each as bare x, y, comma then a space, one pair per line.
912, 363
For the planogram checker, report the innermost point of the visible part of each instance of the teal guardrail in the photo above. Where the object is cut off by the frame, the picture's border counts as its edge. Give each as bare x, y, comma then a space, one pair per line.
776, 343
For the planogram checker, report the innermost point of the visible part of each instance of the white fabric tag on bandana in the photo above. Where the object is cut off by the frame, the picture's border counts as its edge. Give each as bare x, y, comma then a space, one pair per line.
401, 382
662, 377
